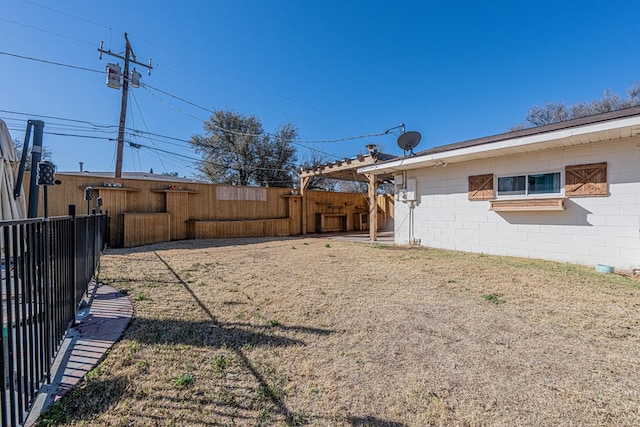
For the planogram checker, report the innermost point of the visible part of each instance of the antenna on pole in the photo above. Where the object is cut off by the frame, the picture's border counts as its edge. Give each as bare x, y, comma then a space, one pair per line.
114, 76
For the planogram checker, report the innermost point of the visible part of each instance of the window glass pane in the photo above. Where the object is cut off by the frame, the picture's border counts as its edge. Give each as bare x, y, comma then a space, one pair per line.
544, 183
511, 185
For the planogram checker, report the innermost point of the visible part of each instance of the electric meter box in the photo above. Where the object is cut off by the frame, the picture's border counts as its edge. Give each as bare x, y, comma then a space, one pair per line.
411, 195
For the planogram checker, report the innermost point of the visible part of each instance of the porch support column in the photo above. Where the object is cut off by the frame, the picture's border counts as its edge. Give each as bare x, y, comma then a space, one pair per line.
373, 208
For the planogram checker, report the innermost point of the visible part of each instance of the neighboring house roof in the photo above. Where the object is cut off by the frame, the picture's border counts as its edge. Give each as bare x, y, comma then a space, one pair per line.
132, 175
597, 128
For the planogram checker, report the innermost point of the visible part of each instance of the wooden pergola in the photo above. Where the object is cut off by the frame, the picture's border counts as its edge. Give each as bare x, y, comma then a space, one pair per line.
346, 170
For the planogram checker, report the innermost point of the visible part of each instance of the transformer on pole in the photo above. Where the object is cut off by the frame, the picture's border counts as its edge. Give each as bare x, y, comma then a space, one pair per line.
114, 76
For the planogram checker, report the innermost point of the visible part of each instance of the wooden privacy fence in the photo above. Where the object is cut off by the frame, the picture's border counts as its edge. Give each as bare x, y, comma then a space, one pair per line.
154, 209
202, 229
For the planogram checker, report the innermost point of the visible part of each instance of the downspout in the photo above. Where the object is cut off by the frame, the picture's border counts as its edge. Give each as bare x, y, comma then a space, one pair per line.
412, 237
303, 224
412, 220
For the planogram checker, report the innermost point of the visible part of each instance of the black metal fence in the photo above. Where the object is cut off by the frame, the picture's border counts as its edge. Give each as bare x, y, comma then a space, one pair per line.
47, 264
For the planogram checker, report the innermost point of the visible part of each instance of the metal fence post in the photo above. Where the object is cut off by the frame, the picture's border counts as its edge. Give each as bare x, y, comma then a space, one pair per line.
48, 297
72, 261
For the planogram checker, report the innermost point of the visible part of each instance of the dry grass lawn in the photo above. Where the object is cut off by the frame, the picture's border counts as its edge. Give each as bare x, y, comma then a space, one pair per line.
330, 333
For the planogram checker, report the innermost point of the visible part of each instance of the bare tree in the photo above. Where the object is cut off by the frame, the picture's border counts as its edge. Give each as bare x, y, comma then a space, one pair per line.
46, 153
550, 113
352, 187
555, 112
315, 159
608, 102
633, 94
581, 109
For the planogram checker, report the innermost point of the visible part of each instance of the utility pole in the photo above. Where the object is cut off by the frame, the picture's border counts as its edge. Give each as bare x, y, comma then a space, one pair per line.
134, 76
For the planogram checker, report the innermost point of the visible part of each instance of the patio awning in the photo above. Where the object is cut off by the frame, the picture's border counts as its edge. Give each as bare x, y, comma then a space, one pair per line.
346, 169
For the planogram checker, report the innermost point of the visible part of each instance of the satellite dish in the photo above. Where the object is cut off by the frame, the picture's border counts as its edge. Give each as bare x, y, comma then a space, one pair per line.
409, 140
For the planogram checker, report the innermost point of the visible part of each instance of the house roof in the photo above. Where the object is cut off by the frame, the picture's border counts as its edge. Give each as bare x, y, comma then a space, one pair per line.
132, 175
597, 128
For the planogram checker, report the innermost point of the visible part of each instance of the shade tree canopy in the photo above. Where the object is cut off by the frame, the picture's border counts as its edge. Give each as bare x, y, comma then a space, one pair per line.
236, 150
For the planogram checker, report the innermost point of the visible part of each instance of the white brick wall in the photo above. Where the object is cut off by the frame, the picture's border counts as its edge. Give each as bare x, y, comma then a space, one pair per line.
592, 230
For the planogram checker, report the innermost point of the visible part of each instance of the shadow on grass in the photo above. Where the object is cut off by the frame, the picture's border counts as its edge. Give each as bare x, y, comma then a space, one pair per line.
372, 422
305, 329
92, 398
235, 338
192, 244
260, 401
206, 334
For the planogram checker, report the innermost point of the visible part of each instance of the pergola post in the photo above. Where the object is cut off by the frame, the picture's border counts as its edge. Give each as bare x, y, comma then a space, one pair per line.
303, 184
373, 208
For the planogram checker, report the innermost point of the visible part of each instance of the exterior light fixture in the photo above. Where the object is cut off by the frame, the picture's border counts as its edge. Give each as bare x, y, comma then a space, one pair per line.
88, 196
46, 173
46, 177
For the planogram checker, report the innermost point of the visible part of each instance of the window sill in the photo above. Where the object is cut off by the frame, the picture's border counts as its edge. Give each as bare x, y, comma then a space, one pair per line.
518, 205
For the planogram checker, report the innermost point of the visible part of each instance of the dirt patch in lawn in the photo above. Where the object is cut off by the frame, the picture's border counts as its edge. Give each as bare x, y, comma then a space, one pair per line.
324, 332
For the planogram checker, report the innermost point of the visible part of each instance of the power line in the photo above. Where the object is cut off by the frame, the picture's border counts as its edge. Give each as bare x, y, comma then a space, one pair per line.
222, 129
66, 14
58, 126
134, 132
93, 126
271, 107
246, 82
201, 64
45, 31
172, 106
51, 62
140, 132
136, 145
172, 153
209, 161
57, 118
70, 135
146, 86
226, 130
318, 141
145, 125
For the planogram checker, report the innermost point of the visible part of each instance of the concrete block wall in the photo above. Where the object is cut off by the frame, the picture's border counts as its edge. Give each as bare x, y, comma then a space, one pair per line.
591, 230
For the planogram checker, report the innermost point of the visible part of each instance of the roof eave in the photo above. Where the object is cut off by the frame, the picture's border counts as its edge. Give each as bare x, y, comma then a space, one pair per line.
565, 137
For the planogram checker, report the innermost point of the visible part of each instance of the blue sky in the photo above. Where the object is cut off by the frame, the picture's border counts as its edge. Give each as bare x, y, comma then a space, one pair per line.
451, 70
